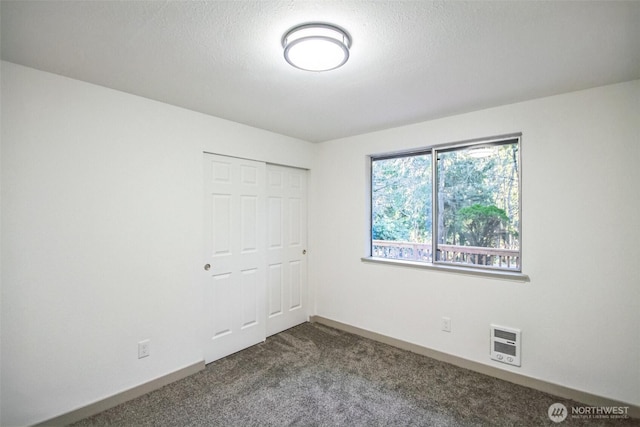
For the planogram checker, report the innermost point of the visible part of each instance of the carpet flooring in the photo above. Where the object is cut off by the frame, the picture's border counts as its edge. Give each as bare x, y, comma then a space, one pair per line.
313, 375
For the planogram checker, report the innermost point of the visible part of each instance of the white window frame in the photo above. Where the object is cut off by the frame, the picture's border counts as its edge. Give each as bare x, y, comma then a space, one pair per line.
433, 150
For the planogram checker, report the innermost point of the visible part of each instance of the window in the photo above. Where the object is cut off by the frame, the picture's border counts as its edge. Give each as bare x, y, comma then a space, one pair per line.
455, 204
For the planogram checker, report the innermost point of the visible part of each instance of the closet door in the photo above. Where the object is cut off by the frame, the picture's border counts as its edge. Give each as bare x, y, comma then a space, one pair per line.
286, 248
235, 256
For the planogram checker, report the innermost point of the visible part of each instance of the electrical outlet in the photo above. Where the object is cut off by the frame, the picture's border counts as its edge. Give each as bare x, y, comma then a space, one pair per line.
144, 349
446, 324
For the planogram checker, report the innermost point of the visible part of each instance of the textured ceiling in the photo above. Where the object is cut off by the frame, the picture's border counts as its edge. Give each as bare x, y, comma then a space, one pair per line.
410, 60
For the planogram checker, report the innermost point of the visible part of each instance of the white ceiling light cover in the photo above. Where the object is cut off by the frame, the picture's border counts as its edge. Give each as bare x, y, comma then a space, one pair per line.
316, 47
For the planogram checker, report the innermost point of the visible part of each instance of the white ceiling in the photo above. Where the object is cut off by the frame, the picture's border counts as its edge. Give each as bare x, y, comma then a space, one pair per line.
410, 60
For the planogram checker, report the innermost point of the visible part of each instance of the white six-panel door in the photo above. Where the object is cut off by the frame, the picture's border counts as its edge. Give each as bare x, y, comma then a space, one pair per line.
235, 256
255, 225
286, 248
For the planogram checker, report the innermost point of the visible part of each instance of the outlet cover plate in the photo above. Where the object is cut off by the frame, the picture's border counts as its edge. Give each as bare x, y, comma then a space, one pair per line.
144, 349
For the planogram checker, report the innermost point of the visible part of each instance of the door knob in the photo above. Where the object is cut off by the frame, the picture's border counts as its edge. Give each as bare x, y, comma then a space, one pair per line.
207, 267
304, 252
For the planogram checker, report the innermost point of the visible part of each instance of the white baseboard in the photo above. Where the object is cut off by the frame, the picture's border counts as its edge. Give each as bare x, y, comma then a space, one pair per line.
117, 399
536, 384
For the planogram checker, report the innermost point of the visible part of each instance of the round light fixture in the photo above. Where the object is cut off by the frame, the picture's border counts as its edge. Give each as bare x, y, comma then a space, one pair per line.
316, 47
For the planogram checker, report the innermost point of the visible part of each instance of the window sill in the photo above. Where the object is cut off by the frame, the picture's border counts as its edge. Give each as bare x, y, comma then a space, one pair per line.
495, 274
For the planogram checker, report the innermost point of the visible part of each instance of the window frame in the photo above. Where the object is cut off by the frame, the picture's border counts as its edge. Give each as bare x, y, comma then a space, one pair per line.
434, 151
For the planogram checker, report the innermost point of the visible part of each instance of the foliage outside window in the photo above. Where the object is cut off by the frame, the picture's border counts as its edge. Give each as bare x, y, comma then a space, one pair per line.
460, 202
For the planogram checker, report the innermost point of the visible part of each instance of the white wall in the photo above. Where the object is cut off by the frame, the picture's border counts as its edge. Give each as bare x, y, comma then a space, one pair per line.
101, 237
101, 223
580, 312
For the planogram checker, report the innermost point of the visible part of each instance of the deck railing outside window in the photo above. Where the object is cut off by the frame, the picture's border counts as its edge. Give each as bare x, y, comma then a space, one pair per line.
472, 255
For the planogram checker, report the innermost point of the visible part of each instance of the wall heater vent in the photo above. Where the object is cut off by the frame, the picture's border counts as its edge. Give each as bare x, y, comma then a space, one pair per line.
505, 345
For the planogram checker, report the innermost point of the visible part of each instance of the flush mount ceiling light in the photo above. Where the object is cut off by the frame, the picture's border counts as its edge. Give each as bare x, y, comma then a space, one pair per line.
316, 47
